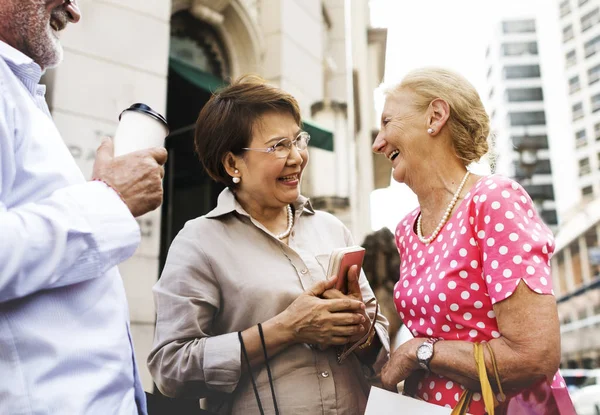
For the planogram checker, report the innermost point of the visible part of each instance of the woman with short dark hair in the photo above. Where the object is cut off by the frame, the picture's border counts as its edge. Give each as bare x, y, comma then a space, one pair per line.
255, 267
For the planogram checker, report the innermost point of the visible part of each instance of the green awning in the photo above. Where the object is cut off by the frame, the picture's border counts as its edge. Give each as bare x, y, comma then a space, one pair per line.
319, 137
197, 77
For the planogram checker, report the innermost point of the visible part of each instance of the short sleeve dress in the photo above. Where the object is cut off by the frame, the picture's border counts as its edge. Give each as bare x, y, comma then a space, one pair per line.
446, 289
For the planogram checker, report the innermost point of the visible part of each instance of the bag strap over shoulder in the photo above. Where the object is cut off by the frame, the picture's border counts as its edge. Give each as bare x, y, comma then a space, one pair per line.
487, 393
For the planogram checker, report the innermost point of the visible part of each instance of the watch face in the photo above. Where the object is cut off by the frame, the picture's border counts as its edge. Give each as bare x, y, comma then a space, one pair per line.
425, 351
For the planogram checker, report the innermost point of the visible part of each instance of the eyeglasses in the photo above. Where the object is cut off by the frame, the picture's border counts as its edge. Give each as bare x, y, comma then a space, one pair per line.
283, 147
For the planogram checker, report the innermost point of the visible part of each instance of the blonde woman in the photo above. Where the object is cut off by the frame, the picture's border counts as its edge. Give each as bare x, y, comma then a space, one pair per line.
474, 254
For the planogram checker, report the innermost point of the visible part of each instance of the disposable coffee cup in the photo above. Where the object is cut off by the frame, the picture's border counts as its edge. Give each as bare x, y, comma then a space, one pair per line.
140, 127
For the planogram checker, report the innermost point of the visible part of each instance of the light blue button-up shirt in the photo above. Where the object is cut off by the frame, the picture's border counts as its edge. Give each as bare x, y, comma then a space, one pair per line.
65, 343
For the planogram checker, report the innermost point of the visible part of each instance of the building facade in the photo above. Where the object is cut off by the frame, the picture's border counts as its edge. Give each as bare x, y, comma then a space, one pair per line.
579, 20
576, 263
518, 117
172, 55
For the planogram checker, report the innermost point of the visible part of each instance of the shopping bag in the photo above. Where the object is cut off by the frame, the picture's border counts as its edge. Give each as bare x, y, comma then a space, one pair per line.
542, 398
383, 402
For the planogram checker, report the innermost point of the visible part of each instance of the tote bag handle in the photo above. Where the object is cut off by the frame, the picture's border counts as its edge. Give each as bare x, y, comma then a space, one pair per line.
489, 398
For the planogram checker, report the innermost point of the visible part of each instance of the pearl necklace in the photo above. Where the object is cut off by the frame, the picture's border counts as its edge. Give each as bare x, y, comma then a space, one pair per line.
290, 222
447, 213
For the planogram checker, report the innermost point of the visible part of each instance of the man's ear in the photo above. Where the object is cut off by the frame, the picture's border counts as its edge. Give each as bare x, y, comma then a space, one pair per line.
439, 112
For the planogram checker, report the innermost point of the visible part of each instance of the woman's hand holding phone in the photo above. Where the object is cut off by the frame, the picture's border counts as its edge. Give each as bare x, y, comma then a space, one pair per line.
354, 293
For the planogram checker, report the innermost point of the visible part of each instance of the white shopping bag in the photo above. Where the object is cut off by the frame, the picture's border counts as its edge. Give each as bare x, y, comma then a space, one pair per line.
382, 402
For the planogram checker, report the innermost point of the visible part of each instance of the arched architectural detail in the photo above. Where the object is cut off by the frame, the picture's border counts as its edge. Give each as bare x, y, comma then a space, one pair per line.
238, 31
199, 44
243, 39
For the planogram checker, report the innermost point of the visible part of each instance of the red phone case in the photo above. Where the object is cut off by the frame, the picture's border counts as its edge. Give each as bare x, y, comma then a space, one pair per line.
349, 259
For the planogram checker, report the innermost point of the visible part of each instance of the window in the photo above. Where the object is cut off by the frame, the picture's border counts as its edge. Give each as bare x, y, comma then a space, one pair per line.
577, 110
550, 217
590, 19
591, 238
584, 167
538, 142
491, 94
597, 131
519, 26
521, 71
571, 58
524, 94
565, 8
594, 74
520, 48
587, 191
596, 103
591, 46
489, 74
574, 85
580, 139
527, 118
541, 167
581, 2
568, 33
487, 52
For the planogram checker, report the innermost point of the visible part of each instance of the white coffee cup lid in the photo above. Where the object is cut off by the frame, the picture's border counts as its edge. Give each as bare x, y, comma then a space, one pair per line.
139, 107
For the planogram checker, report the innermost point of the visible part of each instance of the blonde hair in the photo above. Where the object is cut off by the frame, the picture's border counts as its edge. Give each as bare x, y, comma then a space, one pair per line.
468, 121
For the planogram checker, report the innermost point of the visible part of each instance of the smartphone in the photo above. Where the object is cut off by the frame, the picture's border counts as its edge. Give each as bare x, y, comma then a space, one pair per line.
340, 262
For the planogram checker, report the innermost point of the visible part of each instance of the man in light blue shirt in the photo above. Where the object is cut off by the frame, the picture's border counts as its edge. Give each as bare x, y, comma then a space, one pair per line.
65, 343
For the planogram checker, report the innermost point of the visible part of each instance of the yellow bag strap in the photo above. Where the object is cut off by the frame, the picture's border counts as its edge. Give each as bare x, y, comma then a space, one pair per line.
496, 374
463, 404
487, 393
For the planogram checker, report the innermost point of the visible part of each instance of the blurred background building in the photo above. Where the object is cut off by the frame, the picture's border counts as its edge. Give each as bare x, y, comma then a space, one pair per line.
172, 55
576, 263
545, 111
517, 112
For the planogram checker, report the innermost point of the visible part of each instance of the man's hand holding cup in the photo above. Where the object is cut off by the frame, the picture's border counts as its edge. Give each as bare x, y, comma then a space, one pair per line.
133, 163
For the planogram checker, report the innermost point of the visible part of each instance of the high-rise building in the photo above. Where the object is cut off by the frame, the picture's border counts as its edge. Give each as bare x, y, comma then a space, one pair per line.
576, 262
579, 20
518, 118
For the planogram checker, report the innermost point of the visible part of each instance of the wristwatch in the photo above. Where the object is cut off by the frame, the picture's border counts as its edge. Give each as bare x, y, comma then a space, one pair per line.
425, 353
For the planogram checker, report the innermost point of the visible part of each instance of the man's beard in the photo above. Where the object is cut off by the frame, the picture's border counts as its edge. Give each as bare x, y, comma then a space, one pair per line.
34, 36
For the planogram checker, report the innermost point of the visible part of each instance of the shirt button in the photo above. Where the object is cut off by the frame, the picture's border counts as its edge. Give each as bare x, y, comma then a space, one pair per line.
325, 374
304, 271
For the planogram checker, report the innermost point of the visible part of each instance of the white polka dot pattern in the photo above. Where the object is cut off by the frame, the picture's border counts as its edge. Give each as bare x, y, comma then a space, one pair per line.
447, 289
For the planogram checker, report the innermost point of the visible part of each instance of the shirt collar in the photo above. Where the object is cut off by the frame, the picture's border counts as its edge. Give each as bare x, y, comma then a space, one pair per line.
227, 203
24, 68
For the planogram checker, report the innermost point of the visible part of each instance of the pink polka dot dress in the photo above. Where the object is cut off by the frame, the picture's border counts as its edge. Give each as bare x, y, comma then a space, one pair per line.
493, 240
